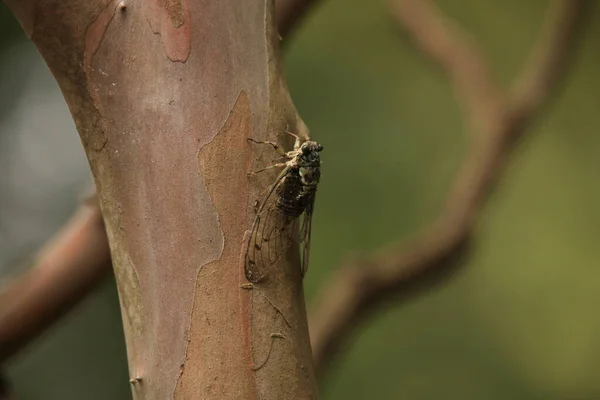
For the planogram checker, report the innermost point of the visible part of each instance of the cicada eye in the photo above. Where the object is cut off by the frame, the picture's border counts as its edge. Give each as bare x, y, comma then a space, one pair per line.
320, 147
305, 150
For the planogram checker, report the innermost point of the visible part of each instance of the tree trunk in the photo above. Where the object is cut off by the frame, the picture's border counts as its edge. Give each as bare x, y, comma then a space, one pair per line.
164, 94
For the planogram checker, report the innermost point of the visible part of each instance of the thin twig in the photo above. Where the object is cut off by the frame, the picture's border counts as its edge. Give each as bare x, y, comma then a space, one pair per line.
495, 120
547, 60
455, 52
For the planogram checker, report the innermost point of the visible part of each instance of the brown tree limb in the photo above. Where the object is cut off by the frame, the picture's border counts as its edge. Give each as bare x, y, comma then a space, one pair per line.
547, 61
66, 270
455, 52
495, 120
164, 96
28, 313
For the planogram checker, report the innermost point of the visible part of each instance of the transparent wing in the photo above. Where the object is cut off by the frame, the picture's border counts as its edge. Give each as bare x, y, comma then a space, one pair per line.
271, 236
305, 236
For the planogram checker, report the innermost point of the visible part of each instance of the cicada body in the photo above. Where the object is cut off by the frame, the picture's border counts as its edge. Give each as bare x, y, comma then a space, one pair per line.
284, 215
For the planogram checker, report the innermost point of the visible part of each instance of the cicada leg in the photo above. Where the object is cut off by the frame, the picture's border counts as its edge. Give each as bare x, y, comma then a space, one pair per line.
277, 147
278, 165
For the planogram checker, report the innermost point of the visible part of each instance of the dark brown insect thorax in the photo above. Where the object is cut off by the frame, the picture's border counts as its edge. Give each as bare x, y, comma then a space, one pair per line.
293, 196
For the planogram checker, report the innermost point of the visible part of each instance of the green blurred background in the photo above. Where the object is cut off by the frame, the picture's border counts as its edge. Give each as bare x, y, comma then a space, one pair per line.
518, 322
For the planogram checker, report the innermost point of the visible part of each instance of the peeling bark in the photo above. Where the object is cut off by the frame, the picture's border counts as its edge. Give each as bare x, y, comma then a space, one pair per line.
164, 95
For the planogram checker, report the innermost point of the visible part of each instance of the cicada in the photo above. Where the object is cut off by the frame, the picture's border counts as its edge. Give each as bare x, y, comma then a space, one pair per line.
284, 214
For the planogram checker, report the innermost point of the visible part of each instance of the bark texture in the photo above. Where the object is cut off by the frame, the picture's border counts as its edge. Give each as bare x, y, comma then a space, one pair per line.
164, 94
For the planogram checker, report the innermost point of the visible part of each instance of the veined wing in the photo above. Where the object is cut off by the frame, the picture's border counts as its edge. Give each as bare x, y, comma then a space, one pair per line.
271, 235
304, 238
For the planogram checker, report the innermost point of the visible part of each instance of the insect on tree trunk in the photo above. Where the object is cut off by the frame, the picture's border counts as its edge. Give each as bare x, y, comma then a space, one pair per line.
165, 94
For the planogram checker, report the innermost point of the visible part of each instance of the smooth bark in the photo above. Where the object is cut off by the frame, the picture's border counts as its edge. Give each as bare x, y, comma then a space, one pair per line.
164, 94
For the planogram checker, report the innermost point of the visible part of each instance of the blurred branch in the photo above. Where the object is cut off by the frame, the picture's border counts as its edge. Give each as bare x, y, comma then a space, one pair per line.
495, 120
79, 256
547, 60
67, 269
455, 52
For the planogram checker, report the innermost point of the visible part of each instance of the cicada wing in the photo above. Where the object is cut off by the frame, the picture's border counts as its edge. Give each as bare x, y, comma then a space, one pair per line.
304, 238
271, 236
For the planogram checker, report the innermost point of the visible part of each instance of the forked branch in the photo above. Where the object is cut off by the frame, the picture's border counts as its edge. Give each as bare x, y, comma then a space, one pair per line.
496, 120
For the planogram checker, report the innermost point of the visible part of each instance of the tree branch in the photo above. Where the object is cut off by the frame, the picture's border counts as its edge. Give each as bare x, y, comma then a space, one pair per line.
28, 313
166, 166
548, 59
455, 52
495, 123
66, 270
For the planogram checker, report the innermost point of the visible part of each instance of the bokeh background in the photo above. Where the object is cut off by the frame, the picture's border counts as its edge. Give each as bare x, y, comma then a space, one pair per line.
519, 321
